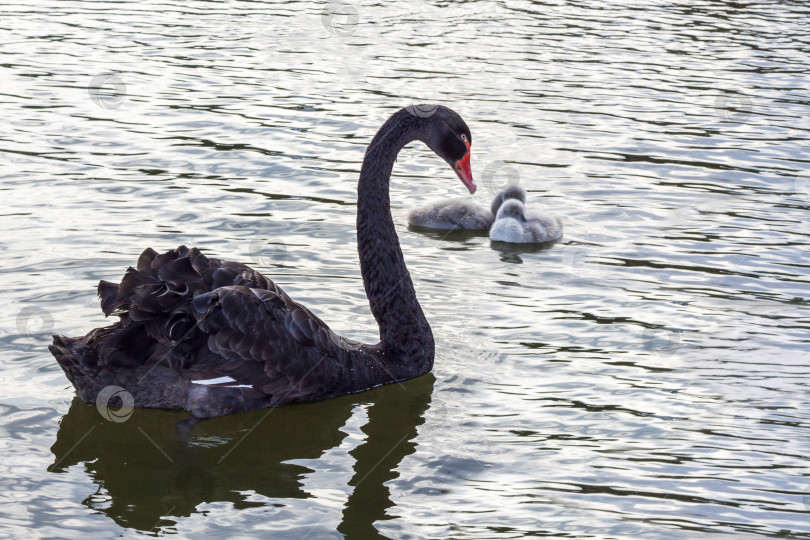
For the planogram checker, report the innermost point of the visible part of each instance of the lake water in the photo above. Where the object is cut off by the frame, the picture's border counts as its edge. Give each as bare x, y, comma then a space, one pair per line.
646, 377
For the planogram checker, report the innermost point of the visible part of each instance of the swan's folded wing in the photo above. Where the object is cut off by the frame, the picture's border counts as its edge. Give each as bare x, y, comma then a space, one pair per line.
264, 340
161, 282
543, 227
219, 323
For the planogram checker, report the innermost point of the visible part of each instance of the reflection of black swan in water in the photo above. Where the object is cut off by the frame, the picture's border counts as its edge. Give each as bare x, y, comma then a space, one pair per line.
216, 337
514, 225
461, 214
143, 488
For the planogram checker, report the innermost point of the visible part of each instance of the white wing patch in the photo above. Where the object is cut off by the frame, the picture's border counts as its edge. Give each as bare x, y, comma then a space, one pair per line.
222, 381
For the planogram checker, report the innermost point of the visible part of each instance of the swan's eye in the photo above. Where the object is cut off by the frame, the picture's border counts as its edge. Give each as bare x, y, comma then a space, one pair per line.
463, 137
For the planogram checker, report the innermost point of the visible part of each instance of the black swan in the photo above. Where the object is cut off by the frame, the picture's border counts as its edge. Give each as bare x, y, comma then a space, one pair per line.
514, 225
461, 214
216, 337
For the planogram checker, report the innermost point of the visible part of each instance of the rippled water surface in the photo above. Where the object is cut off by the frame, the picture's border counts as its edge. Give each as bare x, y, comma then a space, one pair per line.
645, 377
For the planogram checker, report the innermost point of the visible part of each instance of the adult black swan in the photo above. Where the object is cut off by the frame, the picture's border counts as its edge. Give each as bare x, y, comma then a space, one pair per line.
216, 337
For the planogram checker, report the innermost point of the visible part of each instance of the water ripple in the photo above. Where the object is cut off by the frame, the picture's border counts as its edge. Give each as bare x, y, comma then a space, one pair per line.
645, 377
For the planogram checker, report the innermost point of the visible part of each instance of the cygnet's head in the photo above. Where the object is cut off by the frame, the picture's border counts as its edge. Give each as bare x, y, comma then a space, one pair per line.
512, 191
512, 208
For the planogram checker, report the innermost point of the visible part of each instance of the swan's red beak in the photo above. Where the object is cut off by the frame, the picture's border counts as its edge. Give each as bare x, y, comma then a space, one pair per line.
462, 168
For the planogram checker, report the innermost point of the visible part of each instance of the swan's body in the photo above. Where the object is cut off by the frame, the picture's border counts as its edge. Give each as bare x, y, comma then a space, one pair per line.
514, 225
461, 213
452, 215
216, 337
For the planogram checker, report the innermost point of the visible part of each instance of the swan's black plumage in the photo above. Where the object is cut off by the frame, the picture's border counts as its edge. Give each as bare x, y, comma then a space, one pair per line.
216, 337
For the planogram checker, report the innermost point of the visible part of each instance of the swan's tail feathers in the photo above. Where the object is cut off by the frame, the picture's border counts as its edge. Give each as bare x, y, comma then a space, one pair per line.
153, 302
98, 359
146, 258
157, 284
157, 324
107, 292
72, 354
78, 361
161, 283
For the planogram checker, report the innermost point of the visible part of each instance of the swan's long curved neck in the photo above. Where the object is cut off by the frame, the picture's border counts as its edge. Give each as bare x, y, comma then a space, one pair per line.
406, 338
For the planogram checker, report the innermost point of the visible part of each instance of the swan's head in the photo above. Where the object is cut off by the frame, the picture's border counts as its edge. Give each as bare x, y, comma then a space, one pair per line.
512, 208
448, 136
512, 191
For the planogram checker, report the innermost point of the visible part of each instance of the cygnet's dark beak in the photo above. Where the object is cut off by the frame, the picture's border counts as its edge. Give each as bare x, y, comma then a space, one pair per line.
462, 168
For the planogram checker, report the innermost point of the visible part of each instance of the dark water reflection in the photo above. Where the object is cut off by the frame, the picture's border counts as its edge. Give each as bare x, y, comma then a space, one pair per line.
645, 377
147, 471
